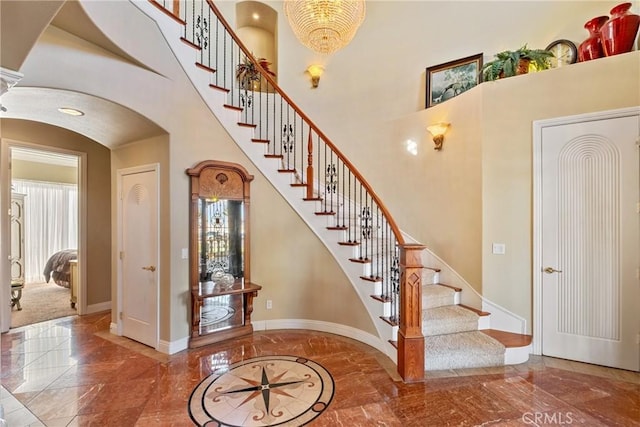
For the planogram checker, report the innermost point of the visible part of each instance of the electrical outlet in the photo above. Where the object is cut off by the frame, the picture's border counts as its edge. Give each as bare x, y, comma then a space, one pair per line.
269, 304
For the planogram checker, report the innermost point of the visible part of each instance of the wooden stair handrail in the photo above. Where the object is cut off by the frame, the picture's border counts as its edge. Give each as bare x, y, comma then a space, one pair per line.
307, 120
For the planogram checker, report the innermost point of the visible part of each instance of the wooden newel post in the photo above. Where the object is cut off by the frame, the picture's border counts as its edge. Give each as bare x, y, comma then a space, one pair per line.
310, 167
410, 338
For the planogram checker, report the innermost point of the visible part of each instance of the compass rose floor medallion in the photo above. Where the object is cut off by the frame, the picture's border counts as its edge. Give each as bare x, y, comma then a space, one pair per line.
262, 391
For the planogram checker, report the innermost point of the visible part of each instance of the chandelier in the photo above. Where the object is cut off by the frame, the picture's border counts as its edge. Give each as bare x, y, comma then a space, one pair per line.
324, 25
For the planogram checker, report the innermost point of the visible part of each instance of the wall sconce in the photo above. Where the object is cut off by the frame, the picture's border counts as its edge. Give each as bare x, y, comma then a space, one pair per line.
438, 130
315, 71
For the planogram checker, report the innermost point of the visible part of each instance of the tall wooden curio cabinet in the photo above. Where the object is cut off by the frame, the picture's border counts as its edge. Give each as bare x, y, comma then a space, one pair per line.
220, 271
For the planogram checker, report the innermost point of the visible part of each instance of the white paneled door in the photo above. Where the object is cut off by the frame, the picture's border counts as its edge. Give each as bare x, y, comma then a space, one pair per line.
139, 256
590, 248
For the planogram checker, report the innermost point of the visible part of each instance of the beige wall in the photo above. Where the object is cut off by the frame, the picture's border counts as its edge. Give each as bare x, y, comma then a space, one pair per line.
507, 154
478, 190
291, 264
98, 194
436, 196
370, 101
36, 171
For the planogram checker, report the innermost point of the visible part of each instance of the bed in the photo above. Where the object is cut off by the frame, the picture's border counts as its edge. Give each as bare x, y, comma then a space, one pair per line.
58, 267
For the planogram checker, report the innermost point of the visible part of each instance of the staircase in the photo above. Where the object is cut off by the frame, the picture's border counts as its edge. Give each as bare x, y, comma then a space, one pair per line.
453, 338
458, 336
330, 195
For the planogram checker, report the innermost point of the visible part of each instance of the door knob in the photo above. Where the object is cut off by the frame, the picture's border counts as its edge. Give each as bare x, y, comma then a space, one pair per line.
150, 268
550, 270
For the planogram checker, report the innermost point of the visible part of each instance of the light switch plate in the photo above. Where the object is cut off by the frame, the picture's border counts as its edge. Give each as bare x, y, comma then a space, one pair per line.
499, 248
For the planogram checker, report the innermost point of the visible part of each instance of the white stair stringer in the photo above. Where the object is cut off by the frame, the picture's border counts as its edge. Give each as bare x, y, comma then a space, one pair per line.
242, 135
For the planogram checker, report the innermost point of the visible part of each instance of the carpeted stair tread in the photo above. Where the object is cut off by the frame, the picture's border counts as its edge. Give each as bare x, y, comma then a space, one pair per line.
448, 320
437, 296
462, 350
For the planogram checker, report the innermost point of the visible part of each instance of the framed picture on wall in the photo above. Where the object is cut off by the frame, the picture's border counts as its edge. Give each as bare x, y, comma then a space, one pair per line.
452, 78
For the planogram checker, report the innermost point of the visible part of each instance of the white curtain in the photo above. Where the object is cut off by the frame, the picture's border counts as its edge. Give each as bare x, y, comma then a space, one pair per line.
51, 222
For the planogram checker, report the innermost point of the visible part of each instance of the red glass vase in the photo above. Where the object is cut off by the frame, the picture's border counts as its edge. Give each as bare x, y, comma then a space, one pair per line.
591, 48
619, 32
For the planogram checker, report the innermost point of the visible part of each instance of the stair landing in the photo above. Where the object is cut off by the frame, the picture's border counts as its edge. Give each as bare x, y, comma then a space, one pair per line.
508, 339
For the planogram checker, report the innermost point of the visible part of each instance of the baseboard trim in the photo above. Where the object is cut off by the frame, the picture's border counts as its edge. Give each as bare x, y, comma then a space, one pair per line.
317, 325
165, 347
97, 308
173, 347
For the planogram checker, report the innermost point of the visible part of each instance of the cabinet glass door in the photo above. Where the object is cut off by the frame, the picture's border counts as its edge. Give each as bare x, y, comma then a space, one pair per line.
221, 240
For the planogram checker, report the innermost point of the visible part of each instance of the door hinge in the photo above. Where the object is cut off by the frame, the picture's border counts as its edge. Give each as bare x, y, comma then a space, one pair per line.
121, 315
121, 254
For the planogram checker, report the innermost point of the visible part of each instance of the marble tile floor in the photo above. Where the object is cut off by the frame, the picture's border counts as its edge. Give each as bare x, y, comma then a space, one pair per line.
73, 372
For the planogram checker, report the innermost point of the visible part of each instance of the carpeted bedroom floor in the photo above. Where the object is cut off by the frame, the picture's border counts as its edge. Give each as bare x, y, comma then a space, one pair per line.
40, 302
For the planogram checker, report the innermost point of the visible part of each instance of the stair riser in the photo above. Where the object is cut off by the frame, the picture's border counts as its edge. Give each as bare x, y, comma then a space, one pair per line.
446, 327
463, 350
459, 361
437, 301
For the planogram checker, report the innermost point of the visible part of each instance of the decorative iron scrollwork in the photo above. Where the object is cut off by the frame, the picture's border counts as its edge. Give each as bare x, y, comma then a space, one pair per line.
331, 178
394, 272
202, 29
246, 98
288, 140
365, 223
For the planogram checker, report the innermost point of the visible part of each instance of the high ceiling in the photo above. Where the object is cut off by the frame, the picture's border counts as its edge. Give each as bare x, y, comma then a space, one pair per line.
41, 103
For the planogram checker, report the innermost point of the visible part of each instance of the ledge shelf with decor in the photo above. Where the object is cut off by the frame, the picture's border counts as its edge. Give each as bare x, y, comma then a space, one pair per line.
221, 289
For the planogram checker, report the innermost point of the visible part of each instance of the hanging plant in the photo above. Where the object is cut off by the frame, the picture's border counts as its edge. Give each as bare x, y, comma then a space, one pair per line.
247, 72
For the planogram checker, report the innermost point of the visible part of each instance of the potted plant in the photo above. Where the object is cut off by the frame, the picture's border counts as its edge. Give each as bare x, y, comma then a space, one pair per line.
248, 74
514, 62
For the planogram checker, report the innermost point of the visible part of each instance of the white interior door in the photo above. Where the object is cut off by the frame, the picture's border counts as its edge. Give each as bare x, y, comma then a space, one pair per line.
591, 242
139, 256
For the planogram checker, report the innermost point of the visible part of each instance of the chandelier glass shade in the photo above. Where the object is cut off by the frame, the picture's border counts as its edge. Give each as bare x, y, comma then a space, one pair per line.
325, 26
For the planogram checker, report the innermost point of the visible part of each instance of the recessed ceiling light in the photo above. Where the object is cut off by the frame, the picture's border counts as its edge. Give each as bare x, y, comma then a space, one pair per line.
255, 16
71, 111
